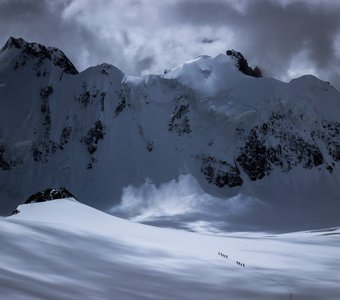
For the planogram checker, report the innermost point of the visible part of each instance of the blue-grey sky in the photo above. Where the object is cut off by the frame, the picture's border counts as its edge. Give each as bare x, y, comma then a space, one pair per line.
286, 38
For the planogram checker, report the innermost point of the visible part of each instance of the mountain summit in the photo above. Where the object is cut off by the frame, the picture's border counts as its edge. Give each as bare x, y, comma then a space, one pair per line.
268, 150
39, 53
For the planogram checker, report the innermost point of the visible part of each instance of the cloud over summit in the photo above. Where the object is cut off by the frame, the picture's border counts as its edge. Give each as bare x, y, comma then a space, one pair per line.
285, 38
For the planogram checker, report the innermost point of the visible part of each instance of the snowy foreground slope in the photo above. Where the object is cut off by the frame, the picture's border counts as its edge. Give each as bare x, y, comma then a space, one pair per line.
63, 249
203, 142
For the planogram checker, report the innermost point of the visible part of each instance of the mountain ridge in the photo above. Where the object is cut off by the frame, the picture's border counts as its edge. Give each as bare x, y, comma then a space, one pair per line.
35, 50
101, 131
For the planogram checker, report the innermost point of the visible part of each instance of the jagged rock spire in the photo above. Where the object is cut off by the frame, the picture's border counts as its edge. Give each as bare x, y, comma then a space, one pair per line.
242, 64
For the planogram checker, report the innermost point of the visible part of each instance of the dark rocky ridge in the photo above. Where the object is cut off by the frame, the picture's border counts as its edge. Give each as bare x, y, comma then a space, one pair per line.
258, 156
41, 53
49, 194
179, 121
242, 64
274, 144
219, 172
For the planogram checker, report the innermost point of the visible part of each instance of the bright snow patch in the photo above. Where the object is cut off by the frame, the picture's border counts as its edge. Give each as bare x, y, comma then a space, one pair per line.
63, 249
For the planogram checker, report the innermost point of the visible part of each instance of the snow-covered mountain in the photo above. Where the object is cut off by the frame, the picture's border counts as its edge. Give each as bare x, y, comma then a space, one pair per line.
62, 249
203, 142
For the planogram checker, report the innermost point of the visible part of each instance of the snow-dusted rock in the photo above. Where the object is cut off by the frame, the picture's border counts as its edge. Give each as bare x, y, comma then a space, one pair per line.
49, 194
27, 51
102, 133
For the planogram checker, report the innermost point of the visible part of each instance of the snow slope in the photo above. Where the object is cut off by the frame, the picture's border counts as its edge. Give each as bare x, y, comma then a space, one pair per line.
63, 249
239, 152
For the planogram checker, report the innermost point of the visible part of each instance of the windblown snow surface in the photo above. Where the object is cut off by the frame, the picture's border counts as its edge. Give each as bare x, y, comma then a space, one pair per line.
63, 249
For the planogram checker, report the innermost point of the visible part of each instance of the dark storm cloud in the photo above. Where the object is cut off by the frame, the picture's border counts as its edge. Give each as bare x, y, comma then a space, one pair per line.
286, 38
272, 33
41, 21
144, 64
298, 27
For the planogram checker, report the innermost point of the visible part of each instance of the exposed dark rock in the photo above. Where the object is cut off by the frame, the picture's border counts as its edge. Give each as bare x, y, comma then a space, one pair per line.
91, 163
257, 72
40, 53
330, 169
43, 146
85, 97
330, 135
258, 156
150, 146
5, 163
37, 153
105, 69
120, 107
45, 93
41, 151
51, 147
123, 103
219, 172
179, 121
102, 99
93, 136
15, 212
39, 68
64, 136
254, 158
242, 64
49, 194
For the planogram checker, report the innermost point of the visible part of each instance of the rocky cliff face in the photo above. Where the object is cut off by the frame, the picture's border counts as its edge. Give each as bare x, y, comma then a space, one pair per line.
100, 131
242, 64
28, 51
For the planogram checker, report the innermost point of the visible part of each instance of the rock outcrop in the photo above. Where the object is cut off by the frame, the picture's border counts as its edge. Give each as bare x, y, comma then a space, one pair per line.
242, 64
49, 194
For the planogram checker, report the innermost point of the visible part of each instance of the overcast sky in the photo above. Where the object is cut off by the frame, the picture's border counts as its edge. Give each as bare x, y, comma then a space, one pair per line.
285, 38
